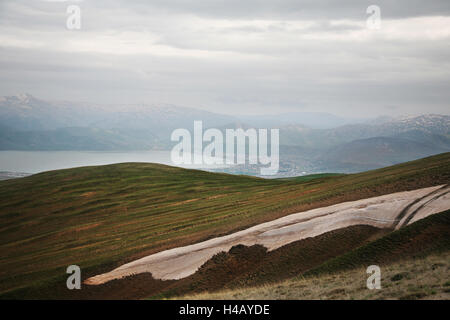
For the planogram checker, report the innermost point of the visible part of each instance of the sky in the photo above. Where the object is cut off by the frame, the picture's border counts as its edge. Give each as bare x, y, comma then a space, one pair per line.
233, 57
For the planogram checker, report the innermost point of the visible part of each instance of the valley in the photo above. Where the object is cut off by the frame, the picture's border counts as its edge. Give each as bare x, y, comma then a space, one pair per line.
309, 142
102, 217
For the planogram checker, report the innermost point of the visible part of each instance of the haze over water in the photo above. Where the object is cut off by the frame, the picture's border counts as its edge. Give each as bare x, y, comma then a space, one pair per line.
39, 161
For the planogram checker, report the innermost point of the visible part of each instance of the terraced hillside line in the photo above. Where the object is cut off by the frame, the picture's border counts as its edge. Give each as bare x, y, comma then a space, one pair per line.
413, 214
417, 239
102, 217
404, 212
379, 212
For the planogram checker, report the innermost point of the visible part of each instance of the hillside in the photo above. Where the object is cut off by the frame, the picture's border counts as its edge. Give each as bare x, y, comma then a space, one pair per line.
414, 262
430, 235
102, 217
388, 212
410, 279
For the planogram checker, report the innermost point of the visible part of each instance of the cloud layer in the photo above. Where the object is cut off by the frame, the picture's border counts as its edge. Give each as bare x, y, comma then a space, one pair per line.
232, 56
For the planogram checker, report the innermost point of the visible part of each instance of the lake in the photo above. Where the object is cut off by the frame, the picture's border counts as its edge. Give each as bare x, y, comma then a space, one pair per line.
38, 161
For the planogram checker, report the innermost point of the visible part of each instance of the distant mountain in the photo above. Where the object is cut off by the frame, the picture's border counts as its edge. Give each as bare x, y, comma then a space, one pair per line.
28, 123
372, 153
359, 147
309, 141
426, 125
25, 112
312, 120
431, 139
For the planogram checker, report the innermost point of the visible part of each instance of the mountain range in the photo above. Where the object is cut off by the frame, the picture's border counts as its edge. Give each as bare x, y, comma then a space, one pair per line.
309, 141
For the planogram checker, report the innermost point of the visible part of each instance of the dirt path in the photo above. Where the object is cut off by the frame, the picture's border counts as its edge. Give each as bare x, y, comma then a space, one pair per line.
388, 211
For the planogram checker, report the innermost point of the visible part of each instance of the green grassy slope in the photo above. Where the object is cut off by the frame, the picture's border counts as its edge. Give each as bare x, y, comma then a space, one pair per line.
414, 263
430, 235
101, 217
350, 248
409, 279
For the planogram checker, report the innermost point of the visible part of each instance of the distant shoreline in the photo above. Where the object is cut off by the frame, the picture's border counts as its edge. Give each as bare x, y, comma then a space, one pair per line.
6, 175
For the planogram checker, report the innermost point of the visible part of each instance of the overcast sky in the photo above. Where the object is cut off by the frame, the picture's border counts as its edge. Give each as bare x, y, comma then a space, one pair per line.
233, 56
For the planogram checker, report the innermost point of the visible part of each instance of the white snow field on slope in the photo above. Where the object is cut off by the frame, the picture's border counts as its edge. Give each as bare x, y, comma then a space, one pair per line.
389, 211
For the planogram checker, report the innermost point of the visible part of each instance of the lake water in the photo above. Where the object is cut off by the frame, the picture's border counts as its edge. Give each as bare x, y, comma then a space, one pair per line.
38, 161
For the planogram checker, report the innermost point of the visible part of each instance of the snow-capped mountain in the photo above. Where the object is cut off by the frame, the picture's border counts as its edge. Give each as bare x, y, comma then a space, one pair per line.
30, 123
25, 112
430, 123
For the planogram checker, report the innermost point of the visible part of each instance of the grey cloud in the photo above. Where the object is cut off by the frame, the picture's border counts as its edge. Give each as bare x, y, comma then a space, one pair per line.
293, 9
243, 67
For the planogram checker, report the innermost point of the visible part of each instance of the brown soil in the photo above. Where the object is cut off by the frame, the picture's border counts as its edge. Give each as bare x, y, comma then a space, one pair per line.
249, 266
240, 266
246, 266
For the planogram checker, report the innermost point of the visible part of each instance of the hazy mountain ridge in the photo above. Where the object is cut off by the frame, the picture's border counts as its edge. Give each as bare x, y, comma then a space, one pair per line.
370, 153
312, 120
29, 123
25, 112
425, 124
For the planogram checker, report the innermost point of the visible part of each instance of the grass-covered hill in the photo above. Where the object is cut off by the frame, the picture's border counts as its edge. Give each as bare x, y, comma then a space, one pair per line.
414, 263
100, 217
